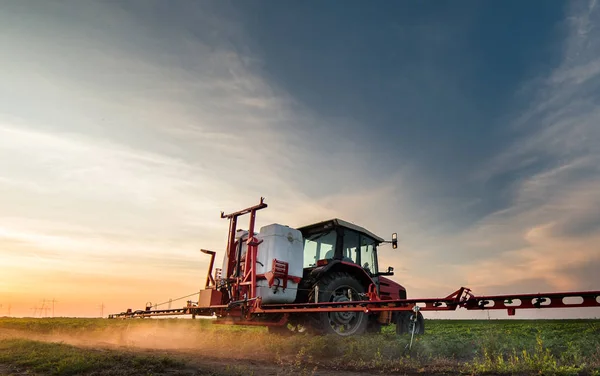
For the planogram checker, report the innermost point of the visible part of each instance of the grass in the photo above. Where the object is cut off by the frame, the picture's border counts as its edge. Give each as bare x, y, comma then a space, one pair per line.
451, 346
61, 359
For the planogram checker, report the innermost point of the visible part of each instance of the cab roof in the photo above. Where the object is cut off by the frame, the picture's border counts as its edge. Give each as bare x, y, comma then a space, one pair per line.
342, 223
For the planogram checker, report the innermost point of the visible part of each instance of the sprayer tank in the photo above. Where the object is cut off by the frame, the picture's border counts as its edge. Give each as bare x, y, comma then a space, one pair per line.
282, 243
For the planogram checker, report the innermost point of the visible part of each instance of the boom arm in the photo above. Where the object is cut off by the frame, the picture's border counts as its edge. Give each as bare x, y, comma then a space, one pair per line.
461, 298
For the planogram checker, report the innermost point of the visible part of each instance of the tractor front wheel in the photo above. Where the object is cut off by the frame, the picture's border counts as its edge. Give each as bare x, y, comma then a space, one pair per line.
405, 323
339, 287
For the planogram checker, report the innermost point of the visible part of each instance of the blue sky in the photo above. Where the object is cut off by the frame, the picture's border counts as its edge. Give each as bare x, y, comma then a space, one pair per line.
471, 129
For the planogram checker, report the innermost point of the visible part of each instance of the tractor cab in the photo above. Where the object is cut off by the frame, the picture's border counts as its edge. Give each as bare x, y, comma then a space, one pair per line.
336, 245
338, 240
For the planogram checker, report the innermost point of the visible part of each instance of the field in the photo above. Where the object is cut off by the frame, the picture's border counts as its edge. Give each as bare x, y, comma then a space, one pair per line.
188, 347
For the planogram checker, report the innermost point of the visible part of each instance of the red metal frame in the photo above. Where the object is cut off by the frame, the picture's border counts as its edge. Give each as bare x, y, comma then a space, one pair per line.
245, 284
461, 298
280, 271
210, 281
245, 307
529, 301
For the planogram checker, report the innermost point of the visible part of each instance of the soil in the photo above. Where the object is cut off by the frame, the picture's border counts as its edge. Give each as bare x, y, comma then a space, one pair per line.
196, 362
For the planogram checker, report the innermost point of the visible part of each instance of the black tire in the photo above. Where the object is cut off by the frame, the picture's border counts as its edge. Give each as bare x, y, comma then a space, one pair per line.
404, 323
334, 288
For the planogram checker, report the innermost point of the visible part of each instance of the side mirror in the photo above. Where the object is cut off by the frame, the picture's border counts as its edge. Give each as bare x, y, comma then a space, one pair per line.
390, 271
394, 240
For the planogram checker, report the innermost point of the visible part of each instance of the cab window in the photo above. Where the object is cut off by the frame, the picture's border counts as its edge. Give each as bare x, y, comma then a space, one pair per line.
367, 254
318, 247
350, 250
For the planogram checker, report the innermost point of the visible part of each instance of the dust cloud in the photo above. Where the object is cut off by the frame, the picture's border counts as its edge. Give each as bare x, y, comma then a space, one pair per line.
204, 340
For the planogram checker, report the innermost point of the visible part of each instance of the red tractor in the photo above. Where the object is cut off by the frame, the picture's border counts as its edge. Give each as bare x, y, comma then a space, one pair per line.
340, 263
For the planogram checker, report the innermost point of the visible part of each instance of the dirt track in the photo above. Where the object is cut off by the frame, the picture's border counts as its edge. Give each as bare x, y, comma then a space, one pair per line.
219, 365
197, 362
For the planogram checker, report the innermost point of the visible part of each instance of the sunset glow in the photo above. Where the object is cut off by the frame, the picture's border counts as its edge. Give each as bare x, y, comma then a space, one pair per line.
126, 129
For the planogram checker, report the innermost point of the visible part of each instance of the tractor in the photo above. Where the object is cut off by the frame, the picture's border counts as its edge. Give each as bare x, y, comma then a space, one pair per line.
340, 263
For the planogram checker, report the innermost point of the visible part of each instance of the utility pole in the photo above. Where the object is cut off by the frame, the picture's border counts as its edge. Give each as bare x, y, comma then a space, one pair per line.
101, 306
53, 301
43, 306
34, 310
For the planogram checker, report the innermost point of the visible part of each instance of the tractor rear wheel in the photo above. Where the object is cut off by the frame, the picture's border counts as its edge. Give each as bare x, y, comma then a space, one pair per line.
339, 287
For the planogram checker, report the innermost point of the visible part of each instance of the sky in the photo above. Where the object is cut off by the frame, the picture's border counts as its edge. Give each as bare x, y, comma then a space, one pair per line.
470, 129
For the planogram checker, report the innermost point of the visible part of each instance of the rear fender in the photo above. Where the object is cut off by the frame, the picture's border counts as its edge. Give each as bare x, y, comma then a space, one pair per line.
341, 266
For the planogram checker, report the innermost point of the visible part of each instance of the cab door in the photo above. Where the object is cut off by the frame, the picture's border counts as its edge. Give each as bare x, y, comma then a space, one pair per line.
361, 250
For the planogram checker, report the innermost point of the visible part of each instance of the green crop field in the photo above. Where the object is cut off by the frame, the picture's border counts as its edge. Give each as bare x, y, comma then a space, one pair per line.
155, 346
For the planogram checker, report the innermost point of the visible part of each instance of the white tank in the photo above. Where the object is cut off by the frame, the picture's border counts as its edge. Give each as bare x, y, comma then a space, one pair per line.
284, 244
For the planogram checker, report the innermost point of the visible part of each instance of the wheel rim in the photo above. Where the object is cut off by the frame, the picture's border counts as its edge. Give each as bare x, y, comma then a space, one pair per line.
344, 323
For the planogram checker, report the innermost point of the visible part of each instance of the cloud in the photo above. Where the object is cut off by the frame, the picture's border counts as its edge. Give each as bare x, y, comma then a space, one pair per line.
551, 227
543, 257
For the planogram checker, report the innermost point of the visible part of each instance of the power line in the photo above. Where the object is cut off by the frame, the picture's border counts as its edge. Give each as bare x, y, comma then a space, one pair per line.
46, 307
174, 300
